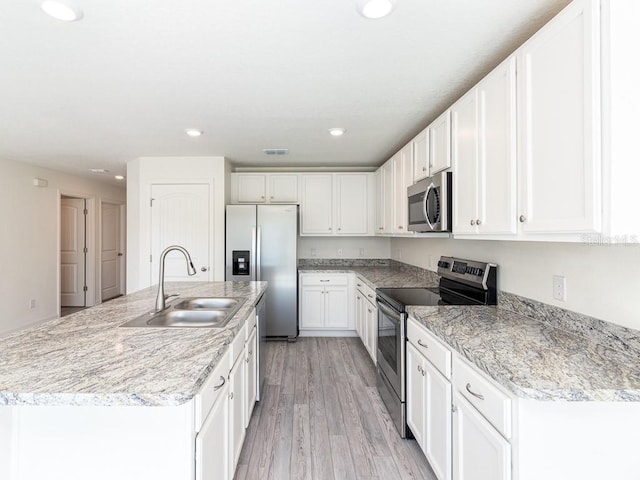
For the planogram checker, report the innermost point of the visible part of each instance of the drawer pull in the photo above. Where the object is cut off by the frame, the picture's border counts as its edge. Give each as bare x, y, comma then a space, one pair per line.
420, 368
477, 395
358, 284
218, 387
247, 359
231, 396
369, 295
325, 280
422, 344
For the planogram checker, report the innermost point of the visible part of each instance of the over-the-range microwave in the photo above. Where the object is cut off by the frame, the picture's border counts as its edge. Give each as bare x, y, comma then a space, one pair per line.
429, 204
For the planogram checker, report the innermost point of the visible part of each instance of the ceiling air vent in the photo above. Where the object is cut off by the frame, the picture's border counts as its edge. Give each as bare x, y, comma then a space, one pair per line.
276, 151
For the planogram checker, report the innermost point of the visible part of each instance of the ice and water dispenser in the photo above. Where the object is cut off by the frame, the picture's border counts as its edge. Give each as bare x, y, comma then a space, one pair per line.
241, 262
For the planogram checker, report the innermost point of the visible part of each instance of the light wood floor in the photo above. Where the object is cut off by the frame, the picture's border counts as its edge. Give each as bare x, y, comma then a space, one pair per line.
321, 418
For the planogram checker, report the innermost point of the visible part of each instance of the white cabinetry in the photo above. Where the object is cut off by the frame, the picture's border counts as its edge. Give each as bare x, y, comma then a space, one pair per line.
237, 398
403, 175
251, 375
421, 155
386, 197
484, 155
367, 318
264, 188
440, 143
559, 114
325, 302
337, 204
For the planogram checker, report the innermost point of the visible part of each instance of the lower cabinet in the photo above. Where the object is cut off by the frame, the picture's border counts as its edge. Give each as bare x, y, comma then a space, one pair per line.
367, 318
212, 446
251, 375
325, 302
237, 424
480, 452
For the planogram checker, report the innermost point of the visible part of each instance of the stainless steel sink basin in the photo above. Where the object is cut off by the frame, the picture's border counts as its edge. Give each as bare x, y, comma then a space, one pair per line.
206, 303
192, 312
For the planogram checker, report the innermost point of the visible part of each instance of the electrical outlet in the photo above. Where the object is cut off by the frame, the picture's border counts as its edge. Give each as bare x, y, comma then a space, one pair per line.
339, 252
32, 304
559, 288
314, 253
362, 252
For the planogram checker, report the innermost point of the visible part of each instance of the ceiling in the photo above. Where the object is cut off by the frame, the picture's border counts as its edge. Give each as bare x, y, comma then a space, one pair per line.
252, 74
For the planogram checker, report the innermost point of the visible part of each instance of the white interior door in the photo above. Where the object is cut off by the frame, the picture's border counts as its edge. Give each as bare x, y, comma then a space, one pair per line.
72, 252
181, 215
111, 254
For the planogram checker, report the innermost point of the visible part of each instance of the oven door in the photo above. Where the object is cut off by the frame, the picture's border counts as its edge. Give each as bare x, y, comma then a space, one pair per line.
391, 346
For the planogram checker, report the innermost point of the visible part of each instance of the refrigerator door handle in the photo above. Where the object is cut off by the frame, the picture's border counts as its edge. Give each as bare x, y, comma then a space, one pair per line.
252, 265
258, 255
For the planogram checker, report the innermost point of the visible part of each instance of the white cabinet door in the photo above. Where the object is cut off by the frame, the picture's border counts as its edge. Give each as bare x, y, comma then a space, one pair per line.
388, 189
479, 451
283, 188
251, 379
421, 155
464, 142
236, 412
403, 174
212, 442
440, 143
497, 173
252, 188
416, 393
559, 105
359, 311
316, 204
336, 307
437, 421
312, 308
380, 197
371, 321
352, 204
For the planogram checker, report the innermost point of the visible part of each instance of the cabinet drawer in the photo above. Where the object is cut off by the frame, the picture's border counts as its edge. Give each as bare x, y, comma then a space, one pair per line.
367, 292
237, 345
211, 389
430, 347
325, 279
488, 399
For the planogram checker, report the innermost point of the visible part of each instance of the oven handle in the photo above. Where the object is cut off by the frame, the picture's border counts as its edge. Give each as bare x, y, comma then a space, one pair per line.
389, 312
424, 205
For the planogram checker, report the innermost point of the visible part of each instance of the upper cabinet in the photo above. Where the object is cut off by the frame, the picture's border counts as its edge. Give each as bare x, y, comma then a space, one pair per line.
483, 139
559, 113
440, 143
403, 174
385, 198
421, 155
337, 204
264, 187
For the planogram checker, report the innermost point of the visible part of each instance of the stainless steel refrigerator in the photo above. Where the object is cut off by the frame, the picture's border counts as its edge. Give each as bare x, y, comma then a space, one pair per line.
262, 244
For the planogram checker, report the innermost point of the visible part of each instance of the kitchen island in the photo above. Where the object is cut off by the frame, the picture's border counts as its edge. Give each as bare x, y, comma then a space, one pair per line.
81, 397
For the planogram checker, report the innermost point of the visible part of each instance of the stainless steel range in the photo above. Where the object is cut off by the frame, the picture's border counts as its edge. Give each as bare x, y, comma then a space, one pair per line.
462, 282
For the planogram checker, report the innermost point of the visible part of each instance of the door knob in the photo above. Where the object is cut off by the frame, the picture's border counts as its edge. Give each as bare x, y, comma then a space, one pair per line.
204, 269
523, 219
119, 254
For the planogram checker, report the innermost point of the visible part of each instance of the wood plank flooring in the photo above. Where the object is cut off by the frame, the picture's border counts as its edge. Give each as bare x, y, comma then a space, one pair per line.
321, 418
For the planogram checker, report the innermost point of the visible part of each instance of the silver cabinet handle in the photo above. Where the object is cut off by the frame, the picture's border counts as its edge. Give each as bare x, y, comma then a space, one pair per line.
422, 344
204, 269
358, 284
218, 387
477, 395
478, 222
369, 310
369, 295
424, 169
400, 227
247, 360
523, 219
380, 228
231, 396
472, 222
325, 280
271, 197
420, 368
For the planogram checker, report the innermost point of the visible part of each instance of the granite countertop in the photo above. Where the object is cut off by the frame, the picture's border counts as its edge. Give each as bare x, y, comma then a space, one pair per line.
86, 359
534, 359
531, 358
378, 277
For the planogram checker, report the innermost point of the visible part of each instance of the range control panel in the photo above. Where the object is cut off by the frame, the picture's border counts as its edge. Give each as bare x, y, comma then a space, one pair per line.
465, 270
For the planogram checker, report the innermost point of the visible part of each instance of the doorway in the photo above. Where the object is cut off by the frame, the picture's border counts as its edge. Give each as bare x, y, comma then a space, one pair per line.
73, 254
111, 251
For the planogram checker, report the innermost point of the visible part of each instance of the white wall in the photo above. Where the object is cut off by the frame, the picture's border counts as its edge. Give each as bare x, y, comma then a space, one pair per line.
29, 238
144, 171
602, 281
327, 247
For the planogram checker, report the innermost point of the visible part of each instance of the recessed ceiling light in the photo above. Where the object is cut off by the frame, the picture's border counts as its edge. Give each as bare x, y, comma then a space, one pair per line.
374, 9
61, 10
193, 132
119, 177
98, 170
337, 132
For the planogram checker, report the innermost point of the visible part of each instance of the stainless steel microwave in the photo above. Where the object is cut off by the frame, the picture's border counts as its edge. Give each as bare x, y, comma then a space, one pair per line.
429, 204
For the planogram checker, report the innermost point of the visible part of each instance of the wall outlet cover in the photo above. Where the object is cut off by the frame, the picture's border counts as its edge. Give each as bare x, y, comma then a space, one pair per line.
559, 288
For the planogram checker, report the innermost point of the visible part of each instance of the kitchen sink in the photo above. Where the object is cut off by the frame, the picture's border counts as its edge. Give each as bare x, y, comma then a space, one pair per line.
192, 312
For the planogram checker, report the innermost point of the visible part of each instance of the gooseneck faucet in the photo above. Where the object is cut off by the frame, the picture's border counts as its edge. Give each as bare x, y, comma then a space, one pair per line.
191, 270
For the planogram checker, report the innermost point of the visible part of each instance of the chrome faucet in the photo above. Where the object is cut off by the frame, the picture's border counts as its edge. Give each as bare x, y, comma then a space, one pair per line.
191, 270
